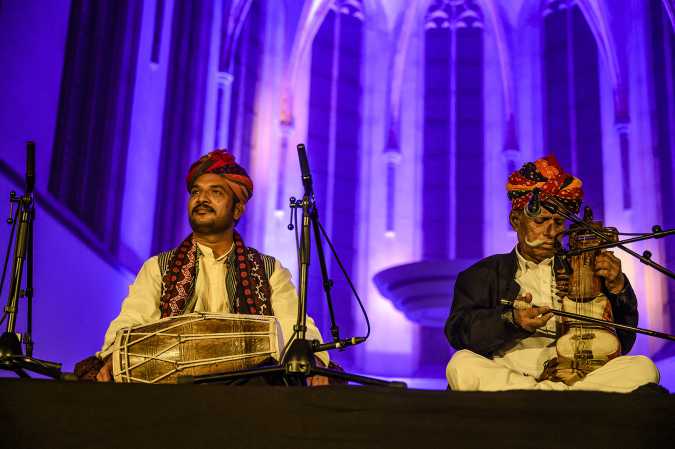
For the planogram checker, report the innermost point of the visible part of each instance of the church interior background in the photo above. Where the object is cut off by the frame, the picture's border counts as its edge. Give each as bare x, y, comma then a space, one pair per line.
413, 113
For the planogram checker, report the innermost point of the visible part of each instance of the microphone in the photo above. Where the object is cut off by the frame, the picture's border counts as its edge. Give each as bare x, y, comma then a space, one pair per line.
533, 208
304, 170
30, 167
317, 347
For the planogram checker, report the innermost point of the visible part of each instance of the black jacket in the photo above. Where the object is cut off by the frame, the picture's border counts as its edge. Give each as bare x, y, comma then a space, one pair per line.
476, 319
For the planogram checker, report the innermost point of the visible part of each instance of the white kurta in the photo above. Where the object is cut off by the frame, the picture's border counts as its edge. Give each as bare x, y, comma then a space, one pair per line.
141, 306
529, 354
520, 365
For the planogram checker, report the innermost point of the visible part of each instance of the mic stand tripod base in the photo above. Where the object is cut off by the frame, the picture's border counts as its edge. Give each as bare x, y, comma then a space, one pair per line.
12, 359
298, 360
297, 364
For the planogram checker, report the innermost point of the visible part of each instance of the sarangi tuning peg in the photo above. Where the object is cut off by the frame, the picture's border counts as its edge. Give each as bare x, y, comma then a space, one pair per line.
12, 200
292, 205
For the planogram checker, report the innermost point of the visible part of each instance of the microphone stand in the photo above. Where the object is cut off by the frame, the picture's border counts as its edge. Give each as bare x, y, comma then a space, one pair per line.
298, 361
11, 355
326, 281
554, 206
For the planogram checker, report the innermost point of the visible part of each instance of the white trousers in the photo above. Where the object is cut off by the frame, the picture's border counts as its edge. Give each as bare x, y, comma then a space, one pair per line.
468, 371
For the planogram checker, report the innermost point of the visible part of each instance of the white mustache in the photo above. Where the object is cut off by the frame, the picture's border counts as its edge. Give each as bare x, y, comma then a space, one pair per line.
536, 243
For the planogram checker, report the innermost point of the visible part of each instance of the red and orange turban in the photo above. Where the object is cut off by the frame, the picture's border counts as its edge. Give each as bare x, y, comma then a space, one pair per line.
222, 163
546, 175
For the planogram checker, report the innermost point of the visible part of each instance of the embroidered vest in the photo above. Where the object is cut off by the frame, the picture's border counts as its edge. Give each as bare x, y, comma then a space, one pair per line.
246, 281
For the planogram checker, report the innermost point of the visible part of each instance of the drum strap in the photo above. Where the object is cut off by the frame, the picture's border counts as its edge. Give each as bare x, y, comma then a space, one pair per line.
247, 280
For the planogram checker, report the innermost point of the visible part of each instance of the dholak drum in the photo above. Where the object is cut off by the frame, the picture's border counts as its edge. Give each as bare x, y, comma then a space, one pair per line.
193, 345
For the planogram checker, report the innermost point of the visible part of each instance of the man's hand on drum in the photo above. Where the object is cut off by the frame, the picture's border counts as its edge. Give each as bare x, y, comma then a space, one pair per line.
105, 373
530, 317
608, 266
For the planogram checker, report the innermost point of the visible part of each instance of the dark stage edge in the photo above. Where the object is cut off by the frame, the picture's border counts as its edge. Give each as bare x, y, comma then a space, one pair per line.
47, 414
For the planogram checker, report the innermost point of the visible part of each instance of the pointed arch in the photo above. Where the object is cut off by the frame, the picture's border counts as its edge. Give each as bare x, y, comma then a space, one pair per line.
334, 145
571, 94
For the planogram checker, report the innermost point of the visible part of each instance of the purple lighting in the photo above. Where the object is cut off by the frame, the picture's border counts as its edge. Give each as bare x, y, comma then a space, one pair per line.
413, 113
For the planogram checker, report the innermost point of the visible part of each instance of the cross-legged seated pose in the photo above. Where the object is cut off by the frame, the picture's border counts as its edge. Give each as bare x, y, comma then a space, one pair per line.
501, 348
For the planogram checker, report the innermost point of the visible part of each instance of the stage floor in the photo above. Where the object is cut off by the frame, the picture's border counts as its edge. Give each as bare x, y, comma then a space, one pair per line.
48, 414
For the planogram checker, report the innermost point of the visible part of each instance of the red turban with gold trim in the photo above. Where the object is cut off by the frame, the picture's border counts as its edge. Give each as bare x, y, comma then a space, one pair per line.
222, 163
546, 175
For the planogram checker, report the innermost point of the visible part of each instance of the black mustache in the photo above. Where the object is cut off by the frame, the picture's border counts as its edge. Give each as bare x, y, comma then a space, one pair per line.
202, 206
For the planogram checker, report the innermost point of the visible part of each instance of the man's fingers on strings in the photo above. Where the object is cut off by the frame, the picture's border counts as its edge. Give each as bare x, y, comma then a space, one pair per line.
602, 272
601, 263
607, 259
605, 264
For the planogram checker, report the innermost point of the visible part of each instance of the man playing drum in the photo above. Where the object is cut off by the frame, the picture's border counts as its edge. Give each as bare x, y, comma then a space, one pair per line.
503, 349
211, 270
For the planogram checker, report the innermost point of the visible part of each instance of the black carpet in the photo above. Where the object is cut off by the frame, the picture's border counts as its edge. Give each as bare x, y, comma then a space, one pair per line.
45, 414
